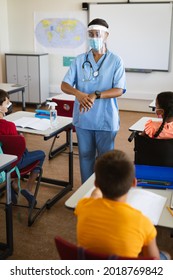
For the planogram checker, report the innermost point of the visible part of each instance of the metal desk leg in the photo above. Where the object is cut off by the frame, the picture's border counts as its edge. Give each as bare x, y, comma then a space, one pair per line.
9, 220
8, 247
70, 133
23, 99
68, 185
56, 151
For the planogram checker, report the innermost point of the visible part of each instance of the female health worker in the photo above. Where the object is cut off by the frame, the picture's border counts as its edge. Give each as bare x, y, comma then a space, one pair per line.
96, 79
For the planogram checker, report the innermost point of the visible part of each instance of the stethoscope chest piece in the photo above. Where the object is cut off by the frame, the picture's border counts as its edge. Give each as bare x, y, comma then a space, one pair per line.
95, 73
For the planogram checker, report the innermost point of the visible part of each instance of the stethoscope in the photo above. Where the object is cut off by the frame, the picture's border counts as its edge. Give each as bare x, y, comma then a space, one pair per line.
92, 72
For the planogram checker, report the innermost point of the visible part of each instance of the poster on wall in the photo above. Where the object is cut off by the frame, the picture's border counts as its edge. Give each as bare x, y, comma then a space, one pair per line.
58, 33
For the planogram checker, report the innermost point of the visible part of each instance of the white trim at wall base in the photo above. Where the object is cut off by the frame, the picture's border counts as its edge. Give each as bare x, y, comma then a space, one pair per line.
139, 95
134, 105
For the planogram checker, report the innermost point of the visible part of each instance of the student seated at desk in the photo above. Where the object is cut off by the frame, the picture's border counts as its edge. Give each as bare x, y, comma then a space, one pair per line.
105, 222
9, 128
164, 110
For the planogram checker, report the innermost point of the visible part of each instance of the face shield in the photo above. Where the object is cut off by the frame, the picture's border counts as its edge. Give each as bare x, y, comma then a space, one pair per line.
97, 36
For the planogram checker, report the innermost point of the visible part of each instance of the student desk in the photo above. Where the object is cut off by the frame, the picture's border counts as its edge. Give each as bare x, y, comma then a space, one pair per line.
166, 220
13, 88
152, 105
64, 124
139, 126
6, 249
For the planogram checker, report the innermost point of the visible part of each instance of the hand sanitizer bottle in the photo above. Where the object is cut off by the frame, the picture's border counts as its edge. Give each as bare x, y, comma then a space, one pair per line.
53, 115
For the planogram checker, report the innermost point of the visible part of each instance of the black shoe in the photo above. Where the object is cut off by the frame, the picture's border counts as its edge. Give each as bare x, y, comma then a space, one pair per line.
29, 197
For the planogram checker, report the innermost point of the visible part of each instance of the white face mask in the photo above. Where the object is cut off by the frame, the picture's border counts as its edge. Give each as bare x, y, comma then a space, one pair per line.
5, 106
96, 43
158, 115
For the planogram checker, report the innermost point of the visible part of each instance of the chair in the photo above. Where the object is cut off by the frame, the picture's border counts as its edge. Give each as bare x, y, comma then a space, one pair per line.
15, 145
65, 109
153, 161
69, 251
155, 152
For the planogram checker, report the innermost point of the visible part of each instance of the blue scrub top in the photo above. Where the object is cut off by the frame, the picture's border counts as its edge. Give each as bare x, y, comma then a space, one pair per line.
104, 114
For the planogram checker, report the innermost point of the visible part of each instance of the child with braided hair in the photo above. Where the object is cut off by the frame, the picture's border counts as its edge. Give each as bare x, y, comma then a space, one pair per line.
164, 109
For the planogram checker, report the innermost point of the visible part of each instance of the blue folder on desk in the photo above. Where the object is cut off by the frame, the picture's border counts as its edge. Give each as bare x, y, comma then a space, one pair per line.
154, 176
42, 114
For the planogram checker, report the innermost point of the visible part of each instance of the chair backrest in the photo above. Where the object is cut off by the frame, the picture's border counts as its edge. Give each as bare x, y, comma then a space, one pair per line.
155, 152
64, 107
13, 145
69, 251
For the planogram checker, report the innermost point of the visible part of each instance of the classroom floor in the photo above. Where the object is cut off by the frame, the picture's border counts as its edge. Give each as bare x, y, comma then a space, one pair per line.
37, 242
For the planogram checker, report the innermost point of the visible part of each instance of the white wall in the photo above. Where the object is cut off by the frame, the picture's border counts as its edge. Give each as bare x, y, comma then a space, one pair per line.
3, 37
141, 88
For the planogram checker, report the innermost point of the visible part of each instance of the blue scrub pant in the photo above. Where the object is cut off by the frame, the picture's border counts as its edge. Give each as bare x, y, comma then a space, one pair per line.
92, 144
30, 157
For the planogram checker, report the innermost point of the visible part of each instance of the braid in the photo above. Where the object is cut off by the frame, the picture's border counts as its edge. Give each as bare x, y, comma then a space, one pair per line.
160, 128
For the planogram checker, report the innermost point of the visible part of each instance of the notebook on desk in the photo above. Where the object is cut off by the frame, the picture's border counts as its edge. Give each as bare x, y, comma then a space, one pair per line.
149, 203
32, 123
159, 177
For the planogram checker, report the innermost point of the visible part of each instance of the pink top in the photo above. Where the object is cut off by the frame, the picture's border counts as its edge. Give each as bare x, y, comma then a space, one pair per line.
151, 127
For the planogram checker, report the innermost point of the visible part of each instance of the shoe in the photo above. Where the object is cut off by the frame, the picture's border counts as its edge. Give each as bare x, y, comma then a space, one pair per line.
29, 197
14, 196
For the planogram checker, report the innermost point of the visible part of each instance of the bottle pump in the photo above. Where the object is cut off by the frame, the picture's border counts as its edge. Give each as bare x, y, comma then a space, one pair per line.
53, 114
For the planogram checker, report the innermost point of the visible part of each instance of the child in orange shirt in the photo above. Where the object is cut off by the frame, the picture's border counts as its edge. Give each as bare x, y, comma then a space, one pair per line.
105, 222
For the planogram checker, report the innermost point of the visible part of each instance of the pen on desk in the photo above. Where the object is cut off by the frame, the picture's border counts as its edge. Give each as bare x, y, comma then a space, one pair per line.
170, 211
153, 182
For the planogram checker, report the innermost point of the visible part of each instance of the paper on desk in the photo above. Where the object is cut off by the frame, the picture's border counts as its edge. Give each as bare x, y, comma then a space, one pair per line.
149, 203
33, 123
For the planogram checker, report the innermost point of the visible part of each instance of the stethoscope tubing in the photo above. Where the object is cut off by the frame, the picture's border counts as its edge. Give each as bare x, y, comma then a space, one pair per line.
95, 73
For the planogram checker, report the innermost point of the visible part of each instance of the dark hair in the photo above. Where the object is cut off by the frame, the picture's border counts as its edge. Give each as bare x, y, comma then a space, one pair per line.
114, 173
98, 21
165, 102
3, 96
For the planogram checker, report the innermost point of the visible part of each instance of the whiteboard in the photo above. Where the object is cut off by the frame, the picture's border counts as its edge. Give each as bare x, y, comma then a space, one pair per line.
139, 32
